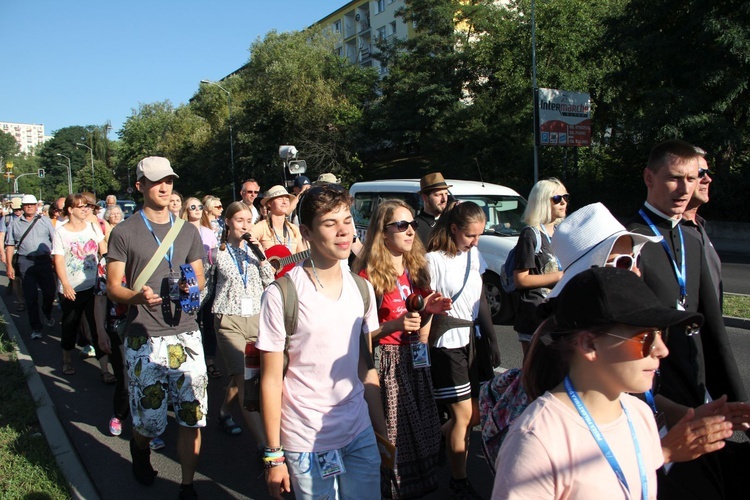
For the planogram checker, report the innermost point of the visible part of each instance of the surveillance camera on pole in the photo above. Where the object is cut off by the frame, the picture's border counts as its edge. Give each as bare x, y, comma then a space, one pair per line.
287, 152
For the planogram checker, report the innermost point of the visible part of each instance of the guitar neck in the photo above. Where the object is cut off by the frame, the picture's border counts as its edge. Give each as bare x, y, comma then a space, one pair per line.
294, 258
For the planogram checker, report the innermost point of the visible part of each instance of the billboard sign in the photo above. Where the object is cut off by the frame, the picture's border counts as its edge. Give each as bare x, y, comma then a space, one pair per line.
564, 118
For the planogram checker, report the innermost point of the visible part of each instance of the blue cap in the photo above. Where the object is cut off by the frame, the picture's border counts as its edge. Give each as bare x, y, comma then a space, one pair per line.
301, 181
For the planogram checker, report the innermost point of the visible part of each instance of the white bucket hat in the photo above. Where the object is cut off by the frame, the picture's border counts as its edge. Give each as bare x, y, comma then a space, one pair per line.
276, 192
585, 239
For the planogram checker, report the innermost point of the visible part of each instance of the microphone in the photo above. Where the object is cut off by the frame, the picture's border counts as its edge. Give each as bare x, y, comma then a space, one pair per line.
414, 303
255, 248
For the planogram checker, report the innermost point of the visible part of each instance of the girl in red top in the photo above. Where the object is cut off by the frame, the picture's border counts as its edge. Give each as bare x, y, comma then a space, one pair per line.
393, 261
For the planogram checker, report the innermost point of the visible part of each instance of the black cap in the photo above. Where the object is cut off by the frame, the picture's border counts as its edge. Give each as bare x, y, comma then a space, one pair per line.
608, 295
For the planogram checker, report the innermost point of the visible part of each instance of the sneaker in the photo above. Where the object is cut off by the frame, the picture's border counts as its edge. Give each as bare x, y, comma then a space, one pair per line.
156, 443
49, 321
36, 334
115, 426
142, 470
463, 490
88, 352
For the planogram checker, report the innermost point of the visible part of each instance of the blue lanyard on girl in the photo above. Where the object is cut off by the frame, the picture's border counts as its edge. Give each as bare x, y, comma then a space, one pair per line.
679, 273
549, 240
603, 446
170, 252
243, 272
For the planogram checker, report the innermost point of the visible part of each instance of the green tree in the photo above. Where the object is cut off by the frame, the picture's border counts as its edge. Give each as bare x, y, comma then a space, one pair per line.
8, 146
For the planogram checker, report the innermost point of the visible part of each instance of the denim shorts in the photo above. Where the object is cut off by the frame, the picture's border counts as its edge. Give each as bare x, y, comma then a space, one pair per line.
361, 480
163, 370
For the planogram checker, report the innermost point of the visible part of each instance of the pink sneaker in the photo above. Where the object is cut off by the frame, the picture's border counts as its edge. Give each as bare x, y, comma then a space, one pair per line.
115, 426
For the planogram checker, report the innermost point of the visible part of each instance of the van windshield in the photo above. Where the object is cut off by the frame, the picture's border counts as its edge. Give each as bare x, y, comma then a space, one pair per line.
503, 213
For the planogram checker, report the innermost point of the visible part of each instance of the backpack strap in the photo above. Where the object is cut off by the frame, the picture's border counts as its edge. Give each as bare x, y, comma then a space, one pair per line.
363, 291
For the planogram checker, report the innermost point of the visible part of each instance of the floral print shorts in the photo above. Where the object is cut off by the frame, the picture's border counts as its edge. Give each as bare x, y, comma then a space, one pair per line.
164, 370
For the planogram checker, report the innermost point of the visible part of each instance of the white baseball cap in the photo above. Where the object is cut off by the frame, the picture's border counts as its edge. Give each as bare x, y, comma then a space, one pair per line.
154, 168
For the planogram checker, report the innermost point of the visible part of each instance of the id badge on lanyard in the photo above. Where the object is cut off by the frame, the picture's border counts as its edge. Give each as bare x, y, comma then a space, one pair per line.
330, 463
420, 353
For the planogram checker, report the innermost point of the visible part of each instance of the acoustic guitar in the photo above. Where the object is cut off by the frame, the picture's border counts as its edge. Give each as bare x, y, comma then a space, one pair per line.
283, 260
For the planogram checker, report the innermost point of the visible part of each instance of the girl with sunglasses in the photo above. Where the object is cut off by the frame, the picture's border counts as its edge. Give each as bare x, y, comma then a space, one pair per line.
584, 436
393, 260
194, 213
456, 269
537, 270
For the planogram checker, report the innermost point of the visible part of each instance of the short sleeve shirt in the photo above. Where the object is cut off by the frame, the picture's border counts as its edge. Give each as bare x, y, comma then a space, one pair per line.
81, 253
322, 403
131, 242
234, 286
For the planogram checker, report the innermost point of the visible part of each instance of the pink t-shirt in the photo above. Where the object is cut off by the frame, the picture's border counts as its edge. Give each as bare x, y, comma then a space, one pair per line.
550, 453
322, 404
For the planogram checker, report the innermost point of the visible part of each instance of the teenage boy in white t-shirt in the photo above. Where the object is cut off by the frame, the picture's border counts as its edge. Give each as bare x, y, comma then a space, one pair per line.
324, 408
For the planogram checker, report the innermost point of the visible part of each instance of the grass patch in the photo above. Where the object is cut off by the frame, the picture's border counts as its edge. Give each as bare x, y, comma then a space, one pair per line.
737, 305
27, 468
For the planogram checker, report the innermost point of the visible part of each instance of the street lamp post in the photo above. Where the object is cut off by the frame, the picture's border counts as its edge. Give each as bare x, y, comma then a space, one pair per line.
231, 138
93, 183
70, 178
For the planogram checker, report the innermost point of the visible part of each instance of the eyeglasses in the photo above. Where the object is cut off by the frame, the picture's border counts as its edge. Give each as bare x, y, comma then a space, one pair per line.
83, 207
196, 207
702, 172
560, 197
251, 192
218, 206
625, 261
647, 340
403, 225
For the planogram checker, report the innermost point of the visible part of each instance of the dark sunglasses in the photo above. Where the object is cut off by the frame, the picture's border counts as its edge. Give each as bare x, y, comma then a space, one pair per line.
625, 261
702, 172
647, 340
403, 225
251, 192
560, 197
196, 207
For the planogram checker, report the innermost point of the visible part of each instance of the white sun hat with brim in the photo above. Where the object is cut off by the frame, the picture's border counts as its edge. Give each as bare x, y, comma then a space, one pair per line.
28, 199
585, 239
276, 192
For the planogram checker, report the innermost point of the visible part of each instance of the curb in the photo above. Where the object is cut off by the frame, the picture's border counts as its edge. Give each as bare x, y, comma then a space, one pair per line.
734, 322
79, 482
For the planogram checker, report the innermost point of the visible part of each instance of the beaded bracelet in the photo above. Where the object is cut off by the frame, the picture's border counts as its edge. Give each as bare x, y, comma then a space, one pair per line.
273, 450
270, 464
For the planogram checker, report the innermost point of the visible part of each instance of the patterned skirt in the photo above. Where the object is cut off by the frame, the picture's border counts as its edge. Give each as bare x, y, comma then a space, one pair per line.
413, 424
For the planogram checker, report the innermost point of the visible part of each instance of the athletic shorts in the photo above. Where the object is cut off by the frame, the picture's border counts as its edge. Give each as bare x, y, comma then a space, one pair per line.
163, 370
454, 374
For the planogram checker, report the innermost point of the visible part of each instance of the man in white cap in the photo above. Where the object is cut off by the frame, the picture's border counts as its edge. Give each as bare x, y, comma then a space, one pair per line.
434, 192
163, 348
31, 237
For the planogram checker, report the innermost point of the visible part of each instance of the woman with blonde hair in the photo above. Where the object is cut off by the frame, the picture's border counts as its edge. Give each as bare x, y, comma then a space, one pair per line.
211, 218
537, 269
393, 260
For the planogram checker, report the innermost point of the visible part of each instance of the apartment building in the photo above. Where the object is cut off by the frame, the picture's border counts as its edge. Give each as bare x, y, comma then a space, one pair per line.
360, 23
27, 135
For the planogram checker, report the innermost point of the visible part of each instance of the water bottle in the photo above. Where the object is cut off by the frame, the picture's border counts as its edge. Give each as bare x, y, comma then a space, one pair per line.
252, 377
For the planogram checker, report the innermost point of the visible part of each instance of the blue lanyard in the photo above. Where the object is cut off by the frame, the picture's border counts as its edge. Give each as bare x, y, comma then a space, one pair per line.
679, 273
603, 446
549, 240
243, 273
170, 252
649, 394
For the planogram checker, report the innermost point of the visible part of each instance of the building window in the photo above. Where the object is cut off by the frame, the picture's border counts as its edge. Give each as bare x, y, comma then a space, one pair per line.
381, 6
337, 27
381, 33
393, 28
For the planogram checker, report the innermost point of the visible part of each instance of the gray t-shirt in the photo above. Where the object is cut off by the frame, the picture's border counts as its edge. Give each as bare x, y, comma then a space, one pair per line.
37, 243
131, 242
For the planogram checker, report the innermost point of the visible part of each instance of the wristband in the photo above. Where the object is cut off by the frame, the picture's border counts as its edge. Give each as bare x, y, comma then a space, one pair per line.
191, 301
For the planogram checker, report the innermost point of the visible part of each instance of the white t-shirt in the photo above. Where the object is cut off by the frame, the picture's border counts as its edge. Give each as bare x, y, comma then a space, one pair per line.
447, 277
322, 404
549, 453
81, 251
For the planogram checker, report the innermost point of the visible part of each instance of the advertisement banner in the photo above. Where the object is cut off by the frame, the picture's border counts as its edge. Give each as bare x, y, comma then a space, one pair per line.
564, 118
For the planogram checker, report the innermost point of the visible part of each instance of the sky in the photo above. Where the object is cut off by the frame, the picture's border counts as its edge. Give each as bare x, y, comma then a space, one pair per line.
84, 62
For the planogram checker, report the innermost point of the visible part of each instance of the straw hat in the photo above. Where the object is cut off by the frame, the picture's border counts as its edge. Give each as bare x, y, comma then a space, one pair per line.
276, 192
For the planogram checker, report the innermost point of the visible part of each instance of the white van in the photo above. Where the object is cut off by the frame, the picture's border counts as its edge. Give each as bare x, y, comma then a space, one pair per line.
502, 206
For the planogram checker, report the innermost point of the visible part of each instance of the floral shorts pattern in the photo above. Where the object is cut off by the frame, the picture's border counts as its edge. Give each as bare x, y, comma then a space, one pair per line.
164, 370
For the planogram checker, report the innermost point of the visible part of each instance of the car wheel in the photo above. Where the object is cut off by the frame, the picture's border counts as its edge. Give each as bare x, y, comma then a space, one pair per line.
499, 301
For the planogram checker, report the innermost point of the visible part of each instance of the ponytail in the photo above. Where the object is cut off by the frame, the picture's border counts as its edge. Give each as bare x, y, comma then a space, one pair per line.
460, 214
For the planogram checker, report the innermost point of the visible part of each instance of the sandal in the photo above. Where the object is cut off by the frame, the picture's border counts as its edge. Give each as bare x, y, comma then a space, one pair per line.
228, 425
213, 372
108, 378
68, 369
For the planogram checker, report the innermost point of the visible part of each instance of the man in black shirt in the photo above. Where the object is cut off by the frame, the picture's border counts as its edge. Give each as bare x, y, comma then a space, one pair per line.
700, 366
434, 192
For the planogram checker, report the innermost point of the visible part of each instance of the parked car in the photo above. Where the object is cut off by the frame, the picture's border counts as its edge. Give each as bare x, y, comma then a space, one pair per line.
127, 206
502, 206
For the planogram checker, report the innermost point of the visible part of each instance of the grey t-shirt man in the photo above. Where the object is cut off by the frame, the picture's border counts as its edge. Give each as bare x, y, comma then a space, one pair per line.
37, 243
133, 243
